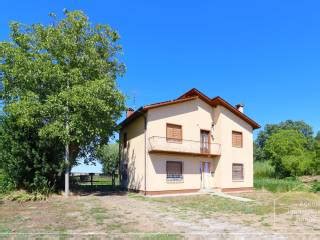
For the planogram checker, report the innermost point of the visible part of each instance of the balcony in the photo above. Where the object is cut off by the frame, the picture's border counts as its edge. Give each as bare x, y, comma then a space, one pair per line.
186, 147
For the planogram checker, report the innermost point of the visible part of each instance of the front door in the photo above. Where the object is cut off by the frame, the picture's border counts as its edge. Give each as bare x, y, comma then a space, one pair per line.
205, 175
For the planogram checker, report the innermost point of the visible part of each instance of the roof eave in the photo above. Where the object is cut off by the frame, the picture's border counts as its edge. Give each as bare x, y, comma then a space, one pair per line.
220, 101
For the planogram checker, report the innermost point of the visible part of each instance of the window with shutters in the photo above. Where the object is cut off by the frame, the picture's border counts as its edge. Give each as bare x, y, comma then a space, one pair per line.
237, 172
237, 139
174, 171
174, 133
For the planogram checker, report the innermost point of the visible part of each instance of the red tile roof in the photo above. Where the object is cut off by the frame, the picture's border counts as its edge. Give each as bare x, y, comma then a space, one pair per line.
190, 95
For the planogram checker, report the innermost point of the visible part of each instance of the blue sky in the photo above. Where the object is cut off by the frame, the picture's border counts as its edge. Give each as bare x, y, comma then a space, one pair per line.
265, 54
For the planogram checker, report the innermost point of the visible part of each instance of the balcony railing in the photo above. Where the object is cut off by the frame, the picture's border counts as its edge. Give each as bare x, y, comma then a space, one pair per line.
162, 144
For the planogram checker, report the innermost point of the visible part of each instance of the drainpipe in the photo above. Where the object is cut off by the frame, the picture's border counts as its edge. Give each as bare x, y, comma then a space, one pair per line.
119, 161
145, 154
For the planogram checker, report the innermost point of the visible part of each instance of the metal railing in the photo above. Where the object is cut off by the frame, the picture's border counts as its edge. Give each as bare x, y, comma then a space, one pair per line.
157, 143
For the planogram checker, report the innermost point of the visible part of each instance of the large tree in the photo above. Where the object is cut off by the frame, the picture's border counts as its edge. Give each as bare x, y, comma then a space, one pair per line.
288, 154
270, 129
108, 155
59, 84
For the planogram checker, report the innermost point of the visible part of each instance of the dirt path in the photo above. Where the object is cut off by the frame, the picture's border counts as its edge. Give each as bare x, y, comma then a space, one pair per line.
120, 217
159, 217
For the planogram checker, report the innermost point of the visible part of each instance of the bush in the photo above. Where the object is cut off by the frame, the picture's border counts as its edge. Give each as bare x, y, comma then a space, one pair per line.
287, 151
279, 185
23, 196
263, 169
315, 187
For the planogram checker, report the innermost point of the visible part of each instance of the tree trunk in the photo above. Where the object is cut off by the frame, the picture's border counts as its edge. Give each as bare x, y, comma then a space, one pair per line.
66, 176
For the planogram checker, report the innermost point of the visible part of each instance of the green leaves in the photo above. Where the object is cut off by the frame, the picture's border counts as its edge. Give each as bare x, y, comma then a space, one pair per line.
109, 158
58, 75
288, 153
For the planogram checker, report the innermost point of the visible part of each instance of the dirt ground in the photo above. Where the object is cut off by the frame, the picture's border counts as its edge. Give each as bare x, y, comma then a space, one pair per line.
132, 216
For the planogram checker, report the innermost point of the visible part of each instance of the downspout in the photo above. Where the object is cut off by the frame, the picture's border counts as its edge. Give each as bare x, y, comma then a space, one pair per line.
119, 160
145, 154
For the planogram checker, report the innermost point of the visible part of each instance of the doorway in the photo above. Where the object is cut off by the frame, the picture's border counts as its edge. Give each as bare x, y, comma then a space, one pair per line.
205, 175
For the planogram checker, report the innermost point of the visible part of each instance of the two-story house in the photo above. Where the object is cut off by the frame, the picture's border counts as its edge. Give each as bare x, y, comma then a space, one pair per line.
186, 145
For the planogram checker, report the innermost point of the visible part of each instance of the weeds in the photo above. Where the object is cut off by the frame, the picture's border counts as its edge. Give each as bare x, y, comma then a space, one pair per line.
279, 185
23, 196
263, 169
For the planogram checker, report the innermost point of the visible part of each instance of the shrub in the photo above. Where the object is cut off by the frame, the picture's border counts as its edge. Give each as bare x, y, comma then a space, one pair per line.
23, 196
315, 187
263, 169
279, 185
287, 152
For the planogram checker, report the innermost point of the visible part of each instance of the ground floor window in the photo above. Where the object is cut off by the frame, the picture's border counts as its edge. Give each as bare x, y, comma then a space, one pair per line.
237, 171
174, 171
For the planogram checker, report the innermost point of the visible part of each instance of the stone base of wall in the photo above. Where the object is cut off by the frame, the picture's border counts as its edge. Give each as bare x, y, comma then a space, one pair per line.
150, 193
225, 190
237, 190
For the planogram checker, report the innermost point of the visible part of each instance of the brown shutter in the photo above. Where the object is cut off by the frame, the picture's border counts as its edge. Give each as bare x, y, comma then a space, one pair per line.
174, 170
237, 171
174, 132
237, 139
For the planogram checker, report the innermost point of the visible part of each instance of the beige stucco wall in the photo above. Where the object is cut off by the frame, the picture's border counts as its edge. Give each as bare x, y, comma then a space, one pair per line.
193, 115
133, 155
226, 122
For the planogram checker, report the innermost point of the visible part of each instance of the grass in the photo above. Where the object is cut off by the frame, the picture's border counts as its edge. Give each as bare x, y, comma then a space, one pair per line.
99, 214
263, 169
279, 185
159, 236
212, 204
1, 184
264, 178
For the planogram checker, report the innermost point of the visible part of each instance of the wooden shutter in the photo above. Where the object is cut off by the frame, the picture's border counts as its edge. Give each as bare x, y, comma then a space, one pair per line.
174, 170
237, 139
237, 171
174, 132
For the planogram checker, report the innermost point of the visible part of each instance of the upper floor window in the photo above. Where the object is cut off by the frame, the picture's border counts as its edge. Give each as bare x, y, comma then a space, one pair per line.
174, 132
237, 172
237, 139
125, 140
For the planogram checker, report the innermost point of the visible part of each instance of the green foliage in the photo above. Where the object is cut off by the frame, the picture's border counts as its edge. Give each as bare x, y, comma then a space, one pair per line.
287, 153
108, 155
270, 129
279, 185
58, 87
263, 169
23, 196
315, 187
318, 137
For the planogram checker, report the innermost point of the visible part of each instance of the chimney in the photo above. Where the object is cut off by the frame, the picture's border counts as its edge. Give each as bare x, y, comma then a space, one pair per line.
240, 107
130, 111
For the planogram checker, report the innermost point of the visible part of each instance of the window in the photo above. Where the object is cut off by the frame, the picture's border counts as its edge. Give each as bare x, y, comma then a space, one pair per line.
237, 171
237, 139
174, 171
125, 140
204, 141
174, 133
